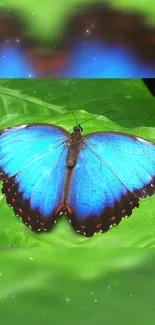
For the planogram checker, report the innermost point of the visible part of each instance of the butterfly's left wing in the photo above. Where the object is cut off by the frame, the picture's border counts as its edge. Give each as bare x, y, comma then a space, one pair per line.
32, 167
113, 171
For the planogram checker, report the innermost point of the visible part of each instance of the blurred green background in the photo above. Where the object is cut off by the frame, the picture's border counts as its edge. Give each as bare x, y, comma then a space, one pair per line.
46, 20
40, 100
111, 286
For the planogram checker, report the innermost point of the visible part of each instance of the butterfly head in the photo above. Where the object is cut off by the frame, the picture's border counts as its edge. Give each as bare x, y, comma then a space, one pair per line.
78, 128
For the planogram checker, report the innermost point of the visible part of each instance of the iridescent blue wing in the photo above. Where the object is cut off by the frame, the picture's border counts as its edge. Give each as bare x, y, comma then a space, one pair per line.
32, 167
113, 171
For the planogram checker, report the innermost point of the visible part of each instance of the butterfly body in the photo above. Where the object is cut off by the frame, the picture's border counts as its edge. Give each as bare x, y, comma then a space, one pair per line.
75, 142
96, 179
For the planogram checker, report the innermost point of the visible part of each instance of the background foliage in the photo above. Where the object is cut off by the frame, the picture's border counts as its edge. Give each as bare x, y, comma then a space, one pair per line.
46, 20
40, 100
77, 286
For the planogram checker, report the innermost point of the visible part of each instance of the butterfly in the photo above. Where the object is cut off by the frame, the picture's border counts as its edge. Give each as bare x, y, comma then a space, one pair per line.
95, 180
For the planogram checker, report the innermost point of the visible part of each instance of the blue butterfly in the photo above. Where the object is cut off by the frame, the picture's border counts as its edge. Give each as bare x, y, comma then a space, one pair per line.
96, 179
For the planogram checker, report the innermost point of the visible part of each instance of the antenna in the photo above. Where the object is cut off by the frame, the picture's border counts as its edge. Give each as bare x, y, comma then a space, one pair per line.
92, 118
70, 110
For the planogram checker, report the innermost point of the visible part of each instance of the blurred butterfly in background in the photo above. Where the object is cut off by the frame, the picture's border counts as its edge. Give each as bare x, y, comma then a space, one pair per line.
96, 179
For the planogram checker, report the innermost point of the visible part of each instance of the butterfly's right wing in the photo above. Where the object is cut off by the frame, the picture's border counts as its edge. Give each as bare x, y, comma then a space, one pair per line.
32, 167
113, 171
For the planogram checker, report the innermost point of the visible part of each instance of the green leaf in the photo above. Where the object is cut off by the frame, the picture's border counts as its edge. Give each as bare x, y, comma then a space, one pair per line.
78, 286
40, 100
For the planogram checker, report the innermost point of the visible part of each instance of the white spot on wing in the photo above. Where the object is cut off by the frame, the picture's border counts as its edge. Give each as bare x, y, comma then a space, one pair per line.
15, 127
22, 126
141, 140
